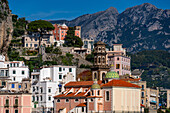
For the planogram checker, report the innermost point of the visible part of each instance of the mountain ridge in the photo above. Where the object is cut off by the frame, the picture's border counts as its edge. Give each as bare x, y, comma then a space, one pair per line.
141, 27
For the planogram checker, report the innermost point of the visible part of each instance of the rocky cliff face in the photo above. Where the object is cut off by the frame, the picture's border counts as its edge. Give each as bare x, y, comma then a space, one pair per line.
138, 28
6, 27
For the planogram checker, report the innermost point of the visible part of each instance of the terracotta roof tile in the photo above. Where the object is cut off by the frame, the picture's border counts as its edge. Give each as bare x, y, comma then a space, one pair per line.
120, 83
131, 79
82, 105
81, 83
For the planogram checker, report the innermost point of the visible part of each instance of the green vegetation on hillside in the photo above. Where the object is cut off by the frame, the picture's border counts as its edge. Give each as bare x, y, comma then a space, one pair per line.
19, 26
71, 40
156, 64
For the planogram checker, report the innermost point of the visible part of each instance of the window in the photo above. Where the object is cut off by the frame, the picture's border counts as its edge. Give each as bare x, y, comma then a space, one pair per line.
70, 69
67, 100
19, 86
91, 100
14, 64
12, 85
35, 45
142, 101
62, 35
33, 76
23, 72
6, 111
37, 98
17, 64
85, 100
63, 69
59, 89
92, 92
25, 85
37, 88
117, 58
7, 73
142, 94
26, 45
49, 90
60, 76
7, 65
98, 92
49, 98
95, 75
142, 87
60, 69
7, 101
58, 100
16, 101
76, 100
41, 90
117, 66
16, 111
41, 98
10, 64
35, 39
107, 96
30, 45
14, 78
33, 98
3, 83
2, 72
14, 72
82, 109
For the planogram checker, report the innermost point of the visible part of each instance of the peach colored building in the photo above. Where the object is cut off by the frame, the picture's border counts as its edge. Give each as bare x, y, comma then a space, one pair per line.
60, 31
16, 102
117, 57
87, 96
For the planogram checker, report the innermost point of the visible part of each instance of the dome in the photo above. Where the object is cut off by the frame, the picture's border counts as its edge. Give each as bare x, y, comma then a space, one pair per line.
95, 85
112, 75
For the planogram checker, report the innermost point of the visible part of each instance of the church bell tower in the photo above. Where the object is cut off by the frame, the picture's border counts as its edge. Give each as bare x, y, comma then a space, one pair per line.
100, 67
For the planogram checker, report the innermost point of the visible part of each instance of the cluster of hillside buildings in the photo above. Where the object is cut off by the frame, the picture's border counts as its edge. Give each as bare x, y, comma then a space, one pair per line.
114, 88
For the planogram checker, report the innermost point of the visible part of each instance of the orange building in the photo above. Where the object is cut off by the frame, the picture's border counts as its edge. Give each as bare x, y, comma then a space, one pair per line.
60, 31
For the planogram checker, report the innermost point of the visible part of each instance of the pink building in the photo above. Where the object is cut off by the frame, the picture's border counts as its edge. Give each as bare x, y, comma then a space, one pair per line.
118, 58
60, 31
15, 102
112, 95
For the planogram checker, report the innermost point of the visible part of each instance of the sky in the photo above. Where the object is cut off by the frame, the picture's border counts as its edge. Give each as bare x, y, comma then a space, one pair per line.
70, 9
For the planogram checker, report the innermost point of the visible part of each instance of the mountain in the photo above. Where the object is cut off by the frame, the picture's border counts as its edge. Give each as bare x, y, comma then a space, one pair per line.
6, 27
142, 27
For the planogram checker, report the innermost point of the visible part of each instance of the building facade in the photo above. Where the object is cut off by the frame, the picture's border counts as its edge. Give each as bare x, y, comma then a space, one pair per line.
47, 82
168, 98
60, 32
117, 57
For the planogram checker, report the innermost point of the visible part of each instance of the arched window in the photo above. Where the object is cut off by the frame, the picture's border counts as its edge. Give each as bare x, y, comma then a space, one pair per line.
103, 75
95, 76
99, 59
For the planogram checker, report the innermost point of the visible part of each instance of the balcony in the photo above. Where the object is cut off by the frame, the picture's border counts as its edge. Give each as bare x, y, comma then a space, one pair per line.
6, 105
153, 95
15, 105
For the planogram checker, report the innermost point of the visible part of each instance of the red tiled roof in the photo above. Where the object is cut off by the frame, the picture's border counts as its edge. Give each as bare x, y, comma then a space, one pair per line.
81, 105
81, 83
120, 83
131, 79
142, 105
80, 94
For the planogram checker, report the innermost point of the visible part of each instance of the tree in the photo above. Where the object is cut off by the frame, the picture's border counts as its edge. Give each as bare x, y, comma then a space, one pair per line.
71, 40
41, 27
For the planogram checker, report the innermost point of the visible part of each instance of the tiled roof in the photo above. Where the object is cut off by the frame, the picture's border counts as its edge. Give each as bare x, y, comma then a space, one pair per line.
82, 94
120, 83
81, 83
82, 105
131, 79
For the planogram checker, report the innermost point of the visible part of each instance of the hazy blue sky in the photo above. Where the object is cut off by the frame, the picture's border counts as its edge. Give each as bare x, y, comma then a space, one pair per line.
70, 9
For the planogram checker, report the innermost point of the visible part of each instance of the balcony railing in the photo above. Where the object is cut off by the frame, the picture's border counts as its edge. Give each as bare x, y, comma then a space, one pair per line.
6, 105
15, 105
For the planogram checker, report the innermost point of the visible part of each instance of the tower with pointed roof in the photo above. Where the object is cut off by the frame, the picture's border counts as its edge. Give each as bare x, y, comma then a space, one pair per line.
100, 67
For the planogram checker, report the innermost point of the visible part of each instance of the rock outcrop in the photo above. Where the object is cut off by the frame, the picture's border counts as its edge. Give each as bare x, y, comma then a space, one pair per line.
137, 28
6, 27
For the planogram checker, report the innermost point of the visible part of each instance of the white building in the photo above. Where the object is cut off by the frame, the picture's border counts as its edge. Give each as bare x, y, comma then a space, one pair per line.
14, 70
49, 81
